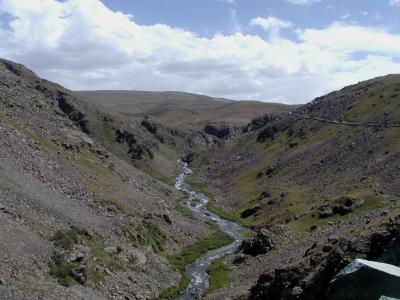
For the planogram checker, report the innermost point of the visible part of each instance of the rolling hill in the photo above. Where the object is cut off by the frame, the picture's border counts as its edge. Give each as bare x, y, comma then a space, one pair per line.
178, 108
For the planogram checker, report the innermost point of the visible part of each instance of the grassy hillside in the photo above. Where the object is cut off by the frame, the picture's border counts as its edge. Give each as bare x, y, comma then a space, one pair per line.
320, 186
177, 108
289, 170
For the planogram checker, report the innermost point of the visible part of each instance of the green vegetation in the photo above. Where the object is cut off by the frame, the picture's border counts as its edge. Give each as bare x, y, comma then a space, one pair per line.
189, 255
154, 236
202, 187
166, 179
247, 234
61, 270
185, 211
28, 133
372, 201
103, 258
174, 291
115, 205
146, 233
102, 173
232, 216
66, 239
219, 275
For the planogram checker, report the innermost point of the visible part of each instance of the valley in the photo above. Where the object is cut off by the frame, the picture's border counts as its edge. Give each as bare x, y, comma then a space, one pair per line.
169, 195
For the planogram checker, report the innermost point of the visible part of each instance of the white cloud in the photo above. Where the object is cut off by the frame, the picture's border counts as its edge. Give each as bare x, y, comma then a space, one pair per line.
308, 2
345, 16
271, 24
330, 7
394, 2
84, 45
236, 26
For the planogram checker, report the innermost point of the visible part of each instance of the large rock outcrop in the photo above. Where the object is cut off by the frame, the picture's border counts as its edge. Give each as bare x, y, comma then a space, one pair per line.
221, 131
368, 280
310, 277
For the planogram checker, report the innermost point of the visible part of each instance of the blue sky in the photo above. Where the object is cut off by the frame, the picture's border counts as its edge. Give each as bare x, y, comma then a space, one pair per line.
206, 17
277, 50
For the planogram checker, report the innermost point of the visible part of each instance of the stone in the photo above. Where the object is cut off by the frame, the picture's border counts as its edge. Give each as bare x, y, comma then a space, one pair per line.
250, 211
80, 253
270, 172
239, 259
107, 271
134, 257
347, 205
81, 274
2, 281
264, 194
260, 244
167, 219
111, 250
221, 131
313, 228
367, 280
325, 212
297, 291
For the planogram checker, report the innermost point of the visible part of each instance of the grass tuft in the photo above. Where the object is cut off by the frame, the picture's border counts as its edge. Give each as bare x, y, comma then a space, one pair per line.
219, 275
67, 238
61, 270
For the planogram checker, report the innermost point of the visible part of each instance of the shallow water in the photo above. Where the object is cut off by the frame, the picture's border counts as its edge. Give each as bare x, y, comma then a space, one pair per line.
197, 202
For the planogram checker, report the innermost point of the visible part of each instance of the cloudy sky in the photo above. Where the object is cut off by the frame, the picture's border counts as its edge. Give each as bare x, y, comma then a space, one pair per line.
272, 50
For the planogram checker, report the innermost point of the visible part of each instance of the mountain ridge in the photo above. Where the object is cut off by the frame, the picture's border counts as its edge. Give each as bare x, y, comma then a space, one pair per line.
181, 108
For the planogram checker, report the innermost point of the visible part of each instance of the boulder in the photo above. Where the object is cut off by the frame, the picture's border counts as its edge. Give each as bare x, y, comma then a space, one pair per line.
250, 211
325, 212
133, 256
368, 280
112, 250
221, 131
260, 122
260, 244
81, 274
347, 205
264, 194
79, 253
167, 219
150, 126
343, 206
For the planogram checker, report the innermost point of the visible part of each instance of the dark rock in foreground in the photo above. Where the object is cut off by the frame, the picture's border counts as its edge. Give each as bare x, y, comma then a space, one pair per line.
366, 280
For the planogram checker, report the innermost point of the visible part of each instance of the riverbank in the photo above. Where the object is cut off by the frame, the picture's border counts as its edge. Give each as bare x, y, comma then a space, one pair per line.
195, 260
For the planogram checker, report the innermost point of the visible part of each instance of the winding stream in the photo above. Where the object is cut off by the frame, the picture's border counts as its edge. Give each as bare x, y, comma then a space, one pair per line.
197, 203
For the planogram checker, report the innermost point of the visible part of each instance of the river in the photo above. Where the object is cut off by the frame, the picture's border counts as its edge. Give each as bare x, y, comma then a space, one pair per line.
197, 203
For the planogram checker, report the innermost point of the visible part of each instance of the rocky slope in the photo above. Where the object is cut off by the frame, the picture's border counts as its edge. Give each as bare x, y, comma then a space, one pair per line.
325, 173
88, 210
82, 210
